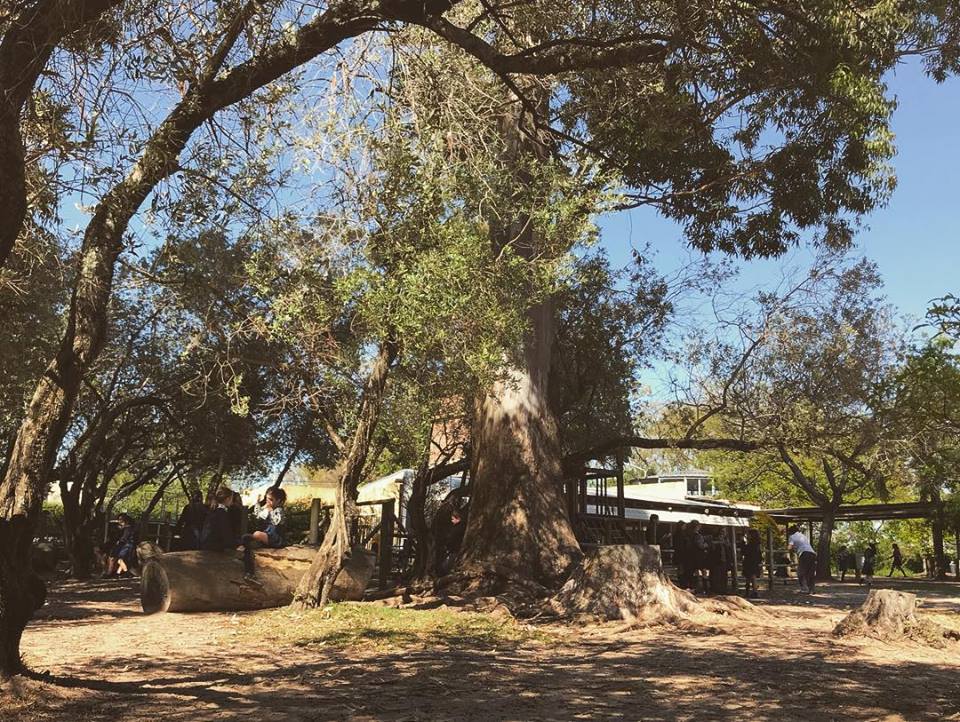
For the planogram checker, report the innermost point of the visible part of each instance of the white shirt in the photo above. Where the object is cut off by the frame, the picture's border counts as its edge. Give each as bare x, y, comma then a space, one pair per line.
271, 515
799, 542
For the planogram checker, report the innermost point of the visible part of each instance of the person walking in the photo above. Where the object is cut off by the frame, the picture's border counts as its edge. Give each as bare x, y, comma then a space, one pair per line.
806, 559
896, 561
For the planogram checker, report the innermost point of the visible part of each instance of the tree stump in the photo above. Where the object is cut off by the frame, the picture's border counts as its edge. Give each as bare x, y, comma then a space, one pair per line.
624, 582
890, 615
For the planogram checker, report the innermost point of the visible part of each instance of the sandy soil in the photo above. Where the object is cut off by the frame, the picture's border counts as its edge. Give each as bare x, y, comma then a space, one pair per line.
107, 661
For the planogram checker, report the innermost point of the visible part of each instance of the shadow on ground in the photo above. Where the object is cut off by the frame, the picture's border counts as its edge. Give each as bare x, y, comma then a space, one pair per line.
668, 678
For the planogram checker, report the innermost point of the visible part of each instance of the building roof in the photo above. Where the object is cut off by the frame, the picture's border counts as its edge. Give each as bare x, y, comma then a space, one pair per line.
684, 473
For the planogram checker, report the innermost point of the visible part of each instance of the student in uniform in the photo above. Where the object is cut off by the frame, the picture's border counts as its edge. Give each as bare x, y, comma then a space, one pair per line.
271, 516
217, 533
190, 523
124, 553
897, 561
869, 563
843, 561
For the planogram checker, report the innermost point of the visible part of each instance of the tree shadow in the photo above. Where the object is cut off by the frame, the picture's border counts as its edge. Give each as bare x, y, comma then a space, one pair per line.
670, 676
843, 596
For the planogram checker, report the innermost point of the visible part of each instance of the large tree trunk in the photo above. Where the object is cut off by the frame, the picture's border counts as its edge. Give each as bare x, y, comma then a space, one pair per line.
316, 585
823, 543
624, 582
518, 528
21, 591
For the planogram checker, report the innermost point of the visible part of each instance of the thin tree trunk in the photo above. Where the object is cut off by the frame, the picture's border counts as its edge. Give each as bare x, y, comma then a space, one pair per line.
154, 500
77, 531
294, 453
79, 545
939, 552
422, 569
315, 586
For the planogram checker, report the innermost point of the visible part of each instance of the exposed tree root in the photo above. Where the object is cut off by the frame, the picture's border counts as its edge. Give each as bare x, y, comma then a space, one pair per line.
626, 583
612, 583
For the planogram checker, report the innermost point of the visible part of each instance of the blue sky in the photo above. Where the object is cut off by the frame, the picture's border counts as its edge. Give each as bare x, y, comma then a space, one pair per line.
915, 239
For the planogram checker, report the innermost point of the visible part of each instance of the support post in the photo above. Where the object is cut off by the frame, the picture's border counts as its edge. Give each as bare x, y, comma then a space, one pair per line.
621, 504
733, 550
770, 558
314, 522
956, 540
386, 542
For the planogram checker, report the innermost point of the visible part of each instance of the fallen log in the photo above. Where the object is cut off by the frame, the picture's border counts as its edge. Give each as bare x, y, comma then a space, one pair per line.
205, 581
147, 550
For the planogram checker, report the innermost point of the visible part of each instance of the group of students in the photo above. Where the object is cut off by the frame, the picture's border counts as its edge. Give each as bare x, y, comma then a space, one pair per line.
215, 526
704, 559
218, 525
846, 559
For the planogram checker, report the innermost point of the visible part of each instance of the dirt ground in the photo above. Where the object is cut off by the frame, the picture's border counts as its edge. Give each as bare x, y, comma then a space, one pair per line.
107, 661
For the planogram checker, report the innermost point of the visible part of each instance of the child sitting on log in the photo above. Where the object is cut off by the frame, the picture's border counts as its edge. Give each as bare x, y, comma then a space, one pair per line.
270, 514
124, 553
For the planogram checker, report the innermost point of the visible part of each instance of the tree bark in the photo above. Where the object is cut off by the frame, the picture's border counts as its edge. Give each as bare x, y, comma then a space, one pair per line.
79, 529
827, 525
205, 581
518, 528
21, 591
419, 529
315, 586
